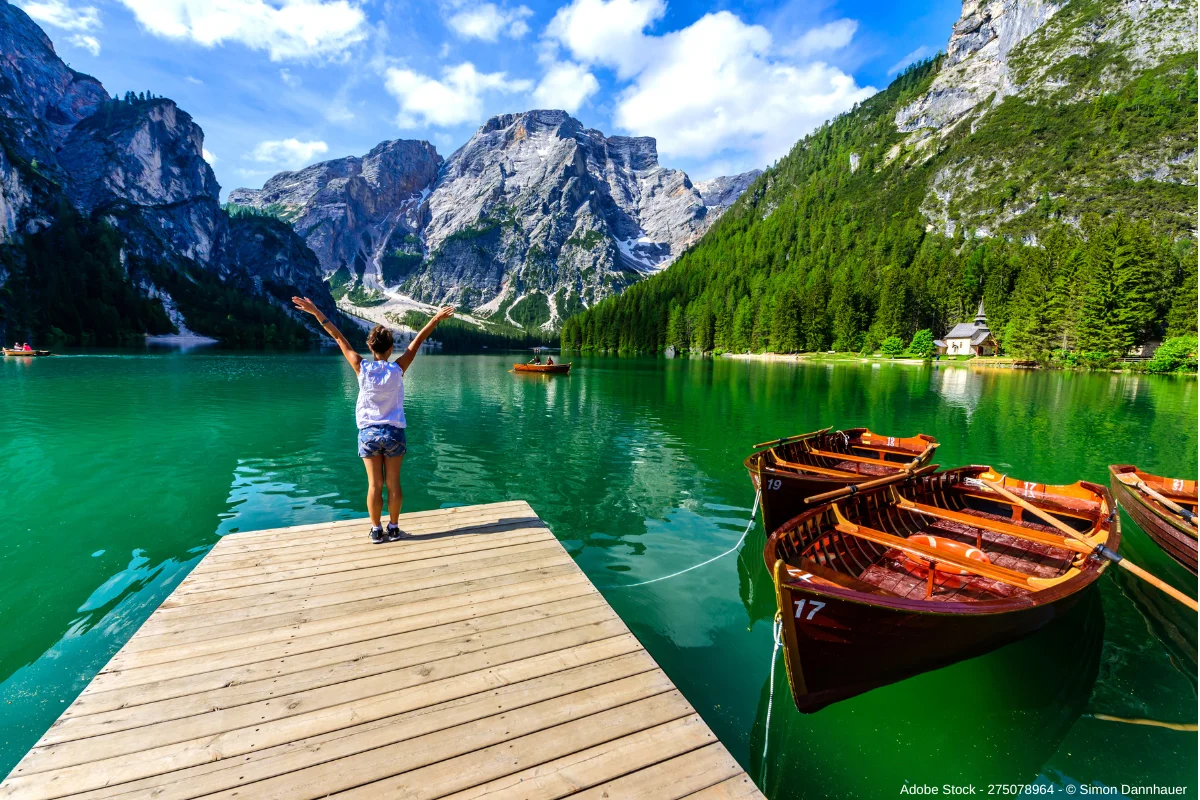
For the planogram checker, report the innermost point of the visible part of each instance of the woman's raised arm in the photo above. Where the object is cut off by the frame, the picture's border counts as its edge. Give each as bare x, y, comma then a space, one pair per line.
308, 306
410, 352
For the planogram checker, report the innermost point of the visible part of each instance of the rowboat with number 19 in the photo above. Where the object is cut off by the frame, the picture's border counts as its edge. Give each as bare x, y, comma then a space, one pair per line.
789, 470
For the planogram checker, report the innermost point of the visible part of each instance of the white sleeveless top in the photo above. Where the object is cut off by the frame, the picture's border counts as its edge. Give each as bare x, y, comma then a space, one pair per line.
380, 394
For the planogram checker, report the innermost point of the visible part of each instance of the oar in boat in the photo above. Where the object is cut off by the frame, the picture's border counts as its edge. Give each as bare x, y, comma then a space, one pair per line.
786, 439
1137, 483
1099, 550
906, 471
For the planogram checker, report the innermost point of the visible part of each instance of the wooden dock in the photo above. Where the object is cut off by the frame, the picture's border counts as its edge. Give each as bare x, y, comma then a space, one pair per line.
472, 660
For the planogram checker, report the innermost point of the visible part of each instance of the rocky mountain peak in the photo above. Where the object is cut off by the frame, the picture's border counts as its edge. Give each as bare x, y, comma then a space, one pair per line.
535, 215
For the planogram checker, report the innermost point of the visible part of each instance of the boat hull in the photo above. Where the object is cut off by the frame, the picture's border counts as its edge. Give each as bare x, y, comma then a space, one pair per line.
1164, 529
848, 628
545, 369
26, 353
849, 647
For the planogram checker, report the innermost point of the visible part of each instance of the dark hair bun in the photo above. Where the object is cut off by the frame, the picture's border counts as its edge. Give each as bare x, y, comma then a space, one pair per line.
380, 340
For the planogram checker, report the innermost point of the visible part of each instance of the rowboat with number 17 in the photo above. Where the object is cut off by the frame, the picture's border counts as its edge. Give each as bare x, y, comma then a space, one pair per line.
896, 580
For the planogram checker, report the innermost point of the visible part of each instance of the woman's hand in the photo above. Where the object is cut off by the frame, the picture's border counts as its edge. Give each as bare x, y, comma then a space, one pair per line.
304, 304
444, 314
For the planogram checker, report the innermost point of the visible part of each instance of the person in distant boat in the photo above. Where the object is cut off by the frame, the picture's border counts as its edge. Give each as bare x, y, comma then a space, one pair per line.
549, 361
537, 359
27, 348
382, 439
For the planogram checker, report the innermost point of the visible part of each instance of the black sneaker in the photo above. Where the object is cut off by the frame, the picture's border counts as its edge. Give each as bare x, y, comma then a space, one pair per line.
394, 533
377, 536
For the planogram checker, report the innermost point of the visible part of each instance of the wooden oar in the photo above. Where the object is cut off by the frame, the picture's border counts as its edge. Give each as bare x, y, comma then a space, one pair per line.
1099, 550
1133, 480
786, 439
905, 473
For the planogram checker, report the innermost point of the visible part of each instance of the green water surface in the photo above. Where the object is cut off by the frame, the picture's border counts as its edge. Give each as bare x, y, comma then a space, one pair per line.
119, 471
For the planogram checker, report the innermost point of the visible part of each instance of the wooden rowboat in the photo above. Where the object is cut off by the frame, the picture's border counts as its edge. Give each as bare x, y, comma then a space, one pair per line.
1168, 529
867, 600
26, 353
550, 369
792, 469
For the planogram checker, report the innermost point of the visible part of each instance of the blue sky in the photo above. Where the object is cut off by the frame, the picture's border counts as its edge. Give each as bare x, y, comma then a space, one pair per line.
277, 84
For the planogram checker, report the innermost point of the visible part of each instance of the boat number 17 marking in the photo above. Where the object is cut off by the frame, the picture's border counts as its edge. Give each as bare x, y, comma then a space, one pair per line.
814, 607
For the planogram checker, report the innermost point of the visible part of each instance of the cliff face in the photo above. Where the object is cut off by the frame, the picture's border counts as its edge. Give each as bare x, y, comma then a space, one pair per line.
1023, 82
135, 164
533, 218
349, 209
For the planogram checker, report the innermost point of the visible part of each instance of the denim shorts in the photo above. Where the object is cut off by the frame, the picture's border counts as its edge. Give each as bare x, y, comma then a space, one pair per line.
382, 440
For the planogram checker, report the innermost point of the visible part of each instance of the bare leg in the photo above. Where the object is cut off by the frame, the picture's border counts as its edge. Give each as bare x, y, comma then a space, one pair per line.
374, 465
395, 495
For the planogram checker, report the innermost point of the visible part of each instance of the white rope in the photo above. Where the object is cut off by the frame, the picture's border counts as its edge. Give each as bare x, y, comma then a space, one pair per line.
749, 525
771, 693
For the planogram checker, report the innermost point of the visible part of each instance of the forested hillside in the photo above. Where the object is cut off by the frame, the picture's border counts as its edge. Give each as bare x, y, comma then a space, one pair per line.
1063, 209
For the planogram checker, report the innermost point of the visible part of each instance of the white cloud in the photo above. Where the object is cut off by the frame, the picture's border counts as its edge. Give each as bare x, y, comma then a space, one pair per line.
717, 85
194, 80
287, 77
832, 36
208, 156
291, 153
454, 99
488, 21
62, 14
85, 42
608, 32
565, 85
916, 55
286, 29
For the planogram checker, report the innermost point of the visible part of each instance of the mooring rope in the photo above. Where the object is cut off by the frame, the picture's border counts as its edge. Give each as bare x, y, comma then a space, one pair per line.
771, 692
742, 538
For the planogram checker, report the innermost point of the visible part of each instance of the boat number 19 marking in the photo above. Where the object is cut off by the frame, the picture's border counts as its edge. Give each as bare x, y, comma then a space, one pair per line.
774, 483
815, 606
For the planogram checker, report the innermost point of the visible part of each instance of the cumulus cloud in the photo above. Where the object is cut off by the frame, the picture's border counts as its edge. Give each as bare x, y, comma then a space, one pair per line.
286, 29
208, 156
487, 21
455, 98
291, 153
194, 80
85, 42
565, 85
827, 38
62, 14
916, 55
608, 32
717, 85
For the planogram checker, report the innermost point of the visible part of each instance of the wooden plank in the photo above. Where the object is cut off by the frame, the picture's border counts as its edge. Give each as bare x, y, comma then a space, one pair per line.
473, 660
677, 777
731, 789
423, 598
405, 584
551, 730
32, 778
595, 765
137, 671
263, 763
111, 690
192, 696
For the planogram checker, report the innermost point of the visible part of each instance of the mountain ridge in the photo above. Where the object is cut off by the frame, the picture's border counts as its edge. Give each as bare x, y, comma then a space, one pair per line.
535, 212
